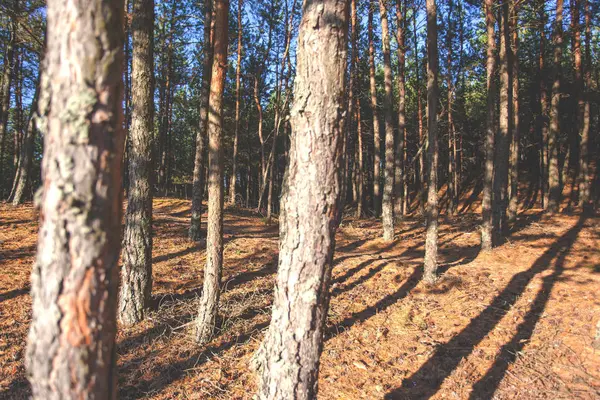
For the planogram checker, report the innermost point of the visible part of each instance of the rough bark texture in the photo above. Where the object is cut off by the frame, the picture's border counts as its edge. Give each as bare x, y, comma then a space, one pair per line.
288, 359
9, 60
387, 206
195, 232
376, 127
486, 206
136, 272
399, 180
584, 130
501, 160
431, 238
207, 314
354, 109
71, 343
238, 70
554, 187
543, 111
513, 202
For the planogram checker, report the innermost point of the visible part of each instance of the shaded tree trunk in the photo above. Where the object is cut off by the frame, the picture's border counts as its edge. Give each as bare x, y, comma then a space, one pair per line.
238, 70
387, 209
421, 143
214, 239
584, 129
554, 187
9, 60
452, 167
399, 179
513, 202
195, 231
431, 238
288, 360
486, 206
354, 109
376, 127
71, 344
543, 115
136, 273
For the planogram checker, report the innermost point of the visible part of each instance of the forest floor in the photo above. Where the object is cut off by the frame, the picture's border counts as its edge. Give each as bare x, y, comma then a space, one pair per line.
517, 322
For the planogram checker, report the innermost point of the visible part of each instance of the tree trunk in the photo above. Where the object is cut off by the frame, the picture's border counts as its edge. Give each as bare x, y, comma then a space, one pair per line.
22, 175
354, 109
376, 127
421, 144
543, 112
288, 359
513, 204
452, 189
71, 344
238, 70
584, 130
399, 179
9, 60
486, 206
195, 232
388, 183
501, 161
431, 238
214, 239
136, 272
554, 187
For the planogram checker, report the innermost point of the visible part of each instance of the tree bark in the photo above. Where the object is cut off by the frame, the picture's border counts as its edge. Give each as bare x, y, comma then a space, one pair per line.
214, 239
288, 360
513, 202
71, 344
238, 71
431, 238
195, 231
554, 187
9, 60
486, 206
421, 143
354, 109
584, 130
452, 167
501, 161
399, 179
543, 111
376, 127
136, 272
387, 208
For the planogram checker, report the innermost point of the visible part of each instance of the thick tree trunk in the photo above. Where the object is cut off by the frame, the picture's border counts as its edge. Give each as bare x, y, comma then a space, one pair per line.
387, 208
513, 202
431, 238
136, 273
71, 345
584, 130
288, 359
486, 206
554, 187
195, 232
399, 179
238, 71
501, 161
375, 112
214, 239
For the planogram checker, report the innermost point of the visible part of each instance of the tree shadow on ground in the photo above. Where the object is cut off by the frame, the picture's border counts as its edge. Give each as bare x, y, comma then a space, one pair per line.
14, 293
426, 382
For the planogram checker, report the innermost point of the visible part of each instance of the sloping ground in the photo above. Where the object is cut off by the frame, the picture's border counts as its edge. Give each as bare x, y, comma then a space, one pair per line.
518, 322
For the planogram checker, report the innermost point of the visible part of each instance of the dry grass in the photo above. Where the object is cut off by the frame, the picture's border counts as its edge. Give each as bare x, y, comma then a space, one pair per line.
517, 322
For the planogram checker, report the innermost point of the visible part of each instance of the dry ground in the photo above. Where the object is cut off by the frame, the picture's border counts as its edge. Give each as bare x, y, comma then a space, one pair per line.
518, 322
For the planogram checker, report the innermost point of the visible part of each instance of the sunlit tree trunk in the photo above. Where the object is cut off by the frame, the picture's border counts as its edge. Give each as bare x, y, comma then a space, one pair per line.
7, 80
431, 238
288, 360
421, 144
375, 112
451, 179
513, 202
486, 206
136, 273
554, 187
71, 344
214, 238
399, 180
195, 232
387, 208
238, 69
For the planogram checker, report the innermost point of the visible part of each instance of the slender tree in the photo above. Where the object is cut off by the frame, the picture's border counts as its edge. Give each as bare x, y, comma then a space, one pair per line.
288, 359
195, 232
486, 206
543, 111
7, 80
214, 239
71, 343
584, 129
513, 201
399, 180
387, 207
554, 187
431, 238
136, 274
238, 74
375, 112
452, 162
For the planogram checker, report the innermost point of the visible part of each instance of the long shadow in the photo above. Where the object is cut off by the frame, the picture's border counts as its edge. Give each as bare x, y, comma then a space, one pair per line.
425, 382
11, 294
487, 385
